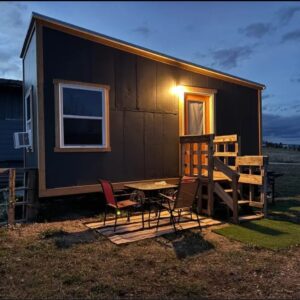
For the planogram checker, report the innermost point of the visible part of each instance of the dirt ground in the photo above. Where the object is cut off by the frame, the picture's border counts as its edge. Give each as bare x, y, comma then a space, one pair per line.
63, 259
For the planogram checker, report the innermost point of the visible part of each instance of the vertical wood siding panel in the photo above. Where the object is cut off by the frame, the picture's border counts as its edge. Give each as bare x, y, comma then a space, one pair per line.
153, 145
166, 81
170, 145
103, 69
125, 80
134, 145
146, 84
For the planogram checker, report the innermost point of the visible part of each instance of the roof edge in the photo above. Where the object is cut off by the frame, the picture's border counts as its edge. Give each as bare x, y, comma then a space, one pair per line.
11, 82
129, 47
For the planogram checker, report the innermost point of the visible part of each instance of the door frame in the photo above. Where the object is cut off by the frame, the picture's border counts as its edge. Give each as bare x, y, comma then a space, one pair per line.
211, 93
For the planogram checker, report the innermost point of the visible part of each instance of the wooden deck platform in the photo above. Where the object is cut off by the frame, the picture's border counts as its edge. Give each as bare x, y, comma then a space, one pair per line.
133, 231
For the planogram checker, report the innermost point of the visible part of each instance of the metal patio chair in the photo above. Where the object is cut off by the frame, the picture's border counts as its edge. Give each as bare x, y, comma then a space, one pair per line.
110, 198
182, 201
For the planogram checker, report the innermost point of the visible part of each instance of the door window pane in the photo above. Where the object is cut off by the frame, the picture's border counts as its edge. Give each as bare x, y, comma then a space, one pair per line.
195, 117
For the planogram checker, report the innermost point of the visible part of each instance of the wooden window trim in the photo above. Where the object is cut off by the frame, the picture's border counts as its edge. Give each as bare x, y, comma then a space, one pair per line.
30, 121
211, 93
58, 85
188, 100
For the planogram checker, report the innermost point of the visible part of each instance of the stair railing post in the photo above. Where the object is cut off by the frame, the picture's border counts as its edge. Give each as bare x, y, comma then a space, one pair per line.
235, 206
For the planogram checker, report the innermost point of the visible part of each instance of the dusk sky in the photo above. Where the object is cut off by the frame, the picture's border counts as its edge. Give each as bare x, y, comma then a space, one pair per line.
259, 41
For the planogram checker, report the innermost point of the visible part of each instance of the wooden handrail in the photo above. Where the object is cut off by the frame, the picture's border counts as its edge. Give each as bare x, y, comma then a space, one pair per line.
229, 172
234, 176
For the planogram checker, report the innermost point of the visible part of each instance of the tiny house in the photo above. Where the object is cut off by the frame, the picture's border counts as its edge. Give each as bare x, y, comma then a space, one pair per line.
98, 107
11, 120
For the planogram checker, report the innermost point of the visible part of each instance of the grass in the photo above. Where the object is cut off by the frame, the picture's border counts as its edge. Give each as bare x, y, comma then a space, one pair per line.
61, 258
191, 264
282, 155
266, 233
288, 184
288, 209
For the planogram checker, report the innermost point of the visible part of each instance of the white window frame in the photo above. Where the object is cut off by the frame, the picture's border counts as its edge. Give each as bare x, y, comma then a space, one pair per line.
29, 123
104, 117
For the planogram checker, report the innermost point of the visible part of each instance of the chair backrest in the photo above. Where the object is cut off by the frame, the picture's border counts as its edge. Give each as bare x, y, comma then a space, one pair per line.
108, 192
187, 192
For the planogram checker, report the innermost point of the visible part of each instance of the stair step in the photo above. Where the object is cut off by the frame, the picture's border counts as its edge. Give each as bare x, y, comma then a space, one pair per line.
228, 190
241, 202
250, 217
256, 204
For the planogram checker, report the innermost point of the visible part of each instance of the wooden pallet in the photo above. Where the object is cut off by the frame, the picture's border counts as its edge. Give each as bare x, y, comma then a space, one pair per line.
128, 232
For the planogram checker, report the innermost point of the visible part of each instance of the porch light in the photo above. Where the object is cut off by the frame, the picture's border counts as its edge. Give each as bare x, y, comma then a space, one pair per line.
178, 90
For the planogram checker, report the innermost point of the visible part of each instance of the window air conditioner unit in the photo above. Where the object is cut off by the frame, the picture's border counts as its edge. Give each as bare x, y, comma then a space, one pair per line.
22, 140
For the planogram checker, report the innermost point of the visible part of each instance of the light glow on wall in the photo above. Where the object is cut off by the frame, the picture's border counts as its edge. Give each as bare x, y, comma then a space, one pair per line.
178, 90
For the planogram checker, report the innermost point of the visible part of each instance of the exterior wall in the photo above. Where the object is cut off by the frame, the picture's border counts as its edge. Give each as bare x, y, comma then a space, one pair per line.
144, 125
237, 112
10, 122
30, 80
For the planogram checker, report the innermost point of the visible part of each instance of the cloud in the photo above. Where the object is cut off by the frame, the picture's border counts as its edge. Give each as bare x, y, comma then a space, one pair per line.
230, 57
282, 109
291, 36
286, 14
267, 96
279, 128
142, 30
13, 26
295, 79
199, 55
190, 28
256, 30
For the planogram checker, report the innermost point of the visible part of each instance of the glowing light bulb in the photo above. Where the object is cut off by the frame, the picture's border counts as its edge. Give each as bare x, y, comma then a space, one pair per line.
178, 90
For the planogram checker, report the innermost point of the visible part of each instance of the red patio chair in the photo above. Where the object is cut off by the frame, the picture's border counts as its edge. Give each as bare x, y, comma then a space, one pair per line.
182, 201
110, 199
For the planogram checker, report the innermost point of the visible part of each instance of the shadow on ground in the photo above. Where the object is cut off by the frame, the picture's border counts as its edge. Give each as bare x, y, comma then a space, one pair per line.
186, 243
65, 240
70, 207
288, 209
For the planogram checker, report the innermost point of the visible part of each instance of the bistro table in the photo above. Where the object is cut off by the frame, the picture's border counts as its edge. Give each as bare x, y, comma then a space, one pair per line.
143, 189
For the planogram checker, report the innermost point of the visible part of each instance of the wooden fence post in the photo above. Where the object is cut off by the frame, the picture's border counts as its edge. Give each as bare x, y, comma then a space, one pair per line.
263, 195
11, 197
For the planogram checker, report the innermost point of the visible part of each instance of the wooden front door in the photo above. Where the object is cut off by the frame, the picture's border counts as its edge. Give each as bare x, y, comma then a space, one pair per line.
196, 122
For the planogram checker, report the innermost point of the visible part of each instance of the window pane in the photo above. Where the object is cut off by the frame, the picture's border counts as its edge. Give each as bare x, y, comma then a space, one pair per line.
195, 118
82, 132
28, 112
82, 102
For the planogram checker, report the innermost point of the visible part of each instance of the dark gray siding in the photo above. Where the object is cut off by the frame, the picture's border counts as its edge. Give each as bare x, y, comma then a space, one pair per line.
10, 122
30, 80
143, 112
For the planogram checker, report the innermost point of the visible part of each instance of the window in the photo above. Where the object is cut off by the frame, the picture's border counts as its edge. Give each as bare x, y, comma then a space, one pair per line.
195, 118
83, 116
197, 114
28, 116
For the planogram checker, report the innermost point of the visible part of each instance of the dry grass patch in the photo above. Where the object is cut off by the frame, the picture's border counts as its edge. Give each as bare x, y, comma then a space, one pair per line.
64, 259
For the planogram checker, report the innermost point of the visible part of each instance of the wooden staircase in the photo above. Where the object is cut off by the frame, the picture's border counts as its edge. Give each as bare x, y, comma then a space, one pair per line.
238, 181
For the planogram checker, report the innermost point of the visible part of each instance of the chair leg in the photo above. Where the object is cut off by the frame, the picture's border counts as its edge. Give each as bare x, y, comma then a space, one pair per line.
149, 215
199, 222
116, 219
143, 220
173, 220
179, 215
158, 218
128, 218
104, 216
